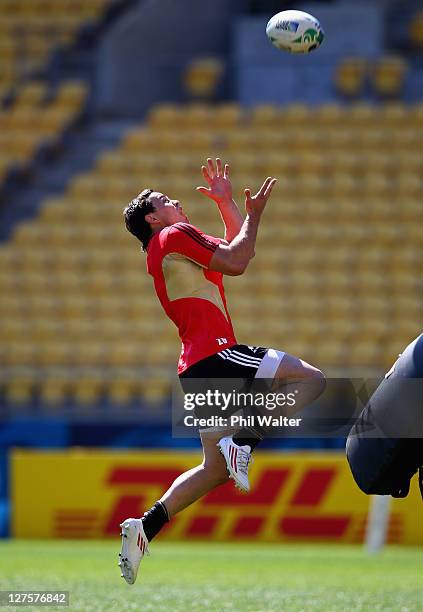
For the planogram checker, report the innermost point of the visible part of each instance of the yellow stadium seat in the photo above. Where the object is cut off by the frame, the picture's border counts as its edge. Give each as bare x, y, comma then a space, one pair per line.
294, 116
155, 390
362, 114
71, 94
19, 353
37, 47
21, 147
160, 354
350, 77
202, 77
164, 116
237, 141
415, 115
277, 163
141, 140
388, 76
125, 354
416, 30
265, 115
227, 116
330, 352
114, 163
93, 9
19, 392
330, 115
405, 140
409, 184
121, 391
197, 115
14, 329
203, 142
87, 391
393, 115
378, 161
54, 391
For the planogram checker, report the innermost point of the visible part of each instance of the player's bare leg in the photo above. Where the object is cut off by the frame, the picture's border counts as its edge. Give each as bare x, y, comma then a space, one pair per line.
294, 376
186, 489
198, 481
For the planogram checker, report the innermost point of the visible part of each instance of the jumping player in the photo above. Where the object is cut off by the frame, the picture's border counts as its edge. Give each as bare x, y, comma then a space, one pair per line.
187, 267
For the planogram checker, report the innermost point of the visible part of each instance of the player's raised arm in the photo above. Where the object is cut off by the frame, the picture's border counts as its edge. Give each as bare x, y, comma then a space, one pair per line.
220, 190
234, 258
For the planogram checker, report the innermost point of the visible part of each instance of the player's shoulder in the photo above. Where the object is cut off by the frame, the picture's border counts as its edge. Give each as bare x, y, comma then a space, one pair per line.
186, 235
181, 231
183, 227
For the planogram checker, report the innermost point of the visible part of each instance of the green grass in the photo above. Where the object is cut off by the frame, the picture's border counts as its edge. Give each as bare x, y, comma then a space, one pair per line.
179, 577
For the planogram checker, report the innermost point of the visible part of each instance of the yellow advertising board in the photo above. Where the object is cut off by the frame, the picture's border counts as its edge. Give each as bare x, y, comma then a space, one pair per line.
294, 497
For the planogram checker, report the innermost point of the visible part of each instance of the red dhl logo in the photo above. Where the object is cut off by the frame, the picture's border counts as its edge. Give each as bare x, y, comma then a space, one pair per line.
299, 517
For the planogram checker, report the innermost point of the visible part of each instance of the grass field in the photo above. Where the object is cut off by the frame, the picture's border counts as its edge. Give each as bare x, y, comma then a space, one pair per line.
199, 577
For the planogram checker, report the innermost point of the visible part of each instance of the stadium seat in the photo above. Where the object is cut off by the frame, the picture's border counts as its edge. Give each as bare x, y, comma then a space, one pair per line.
87, 391
350, 77
155, 390
388, 76
19, 392
416, 30
228, 116
265, 115
164, 116
54, 391
31, 94
295, 116
121, 391
330, 115
202, 77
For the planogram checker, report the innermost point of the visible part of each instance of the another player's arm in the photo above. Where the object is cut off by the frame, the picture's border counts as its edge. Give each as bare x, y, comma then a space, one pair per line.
220, 190
234, 258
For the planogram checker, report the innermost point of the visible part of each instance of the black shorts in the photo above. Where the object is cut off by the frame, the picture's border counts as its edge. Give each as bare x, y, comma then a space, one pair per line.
239, 361
232, 369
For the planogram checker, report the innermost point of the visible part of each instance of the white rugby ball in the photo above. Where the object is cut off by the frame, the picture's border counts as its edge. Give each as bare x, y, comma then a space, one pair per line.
295, 31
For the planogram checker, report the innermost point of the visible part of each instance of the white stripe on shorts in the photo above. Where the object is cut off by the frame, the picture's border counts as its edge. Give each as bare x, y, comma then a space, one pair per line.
247, 357
269, 364
240, 358
243, 363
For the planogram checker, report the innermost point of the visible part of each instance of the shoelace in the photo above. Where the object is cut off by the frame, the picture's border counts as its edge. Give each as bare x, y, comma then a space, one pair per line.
243, 460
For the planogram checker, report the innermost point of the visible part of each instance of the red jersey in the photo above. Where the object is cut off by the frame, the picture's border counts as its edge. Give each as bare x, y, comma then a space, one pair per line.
191, 295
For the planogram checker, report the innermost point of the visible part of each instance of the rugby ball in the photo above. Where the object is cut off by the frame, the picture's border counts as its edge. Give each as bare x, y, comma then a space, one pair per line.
295, 31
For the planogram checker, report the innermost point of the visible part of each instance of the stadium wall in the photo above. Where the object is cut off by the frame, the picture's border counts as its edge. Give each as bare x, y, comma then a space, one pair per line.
296, 497
141, 60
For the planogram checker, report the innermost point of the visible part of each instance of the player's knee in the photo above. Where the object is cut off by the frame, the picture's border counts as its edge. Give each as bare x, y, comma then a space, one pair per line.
317, 379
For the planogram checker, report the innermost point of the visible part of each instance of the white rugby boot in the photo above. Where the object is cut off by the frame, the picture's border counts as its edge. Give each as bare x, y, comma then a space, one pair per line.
134, 547
237, 461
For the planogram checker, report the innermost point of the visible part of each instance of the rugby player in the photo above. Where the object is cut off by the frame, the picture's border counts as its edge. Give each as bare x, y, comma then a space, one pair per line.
187, 267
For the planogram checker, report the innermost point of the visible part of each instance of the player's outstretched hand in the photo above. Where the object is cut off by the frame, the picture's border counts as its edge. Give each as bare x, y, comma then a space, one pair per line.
256, 204
220, 186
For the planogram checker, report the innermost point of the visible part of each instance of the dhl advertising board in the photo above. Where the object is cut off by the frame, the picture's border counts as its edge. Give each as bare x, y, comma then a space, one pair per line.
294, 497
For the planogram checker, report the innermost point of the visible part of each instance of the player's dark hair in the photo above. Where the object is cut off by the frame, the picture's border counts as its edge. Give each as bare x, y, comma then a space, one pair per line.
134, 215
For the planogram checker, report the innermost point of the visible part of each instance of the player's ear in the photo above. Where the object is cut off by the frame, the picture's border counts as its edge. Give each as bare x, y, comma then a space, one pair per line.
151, 218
